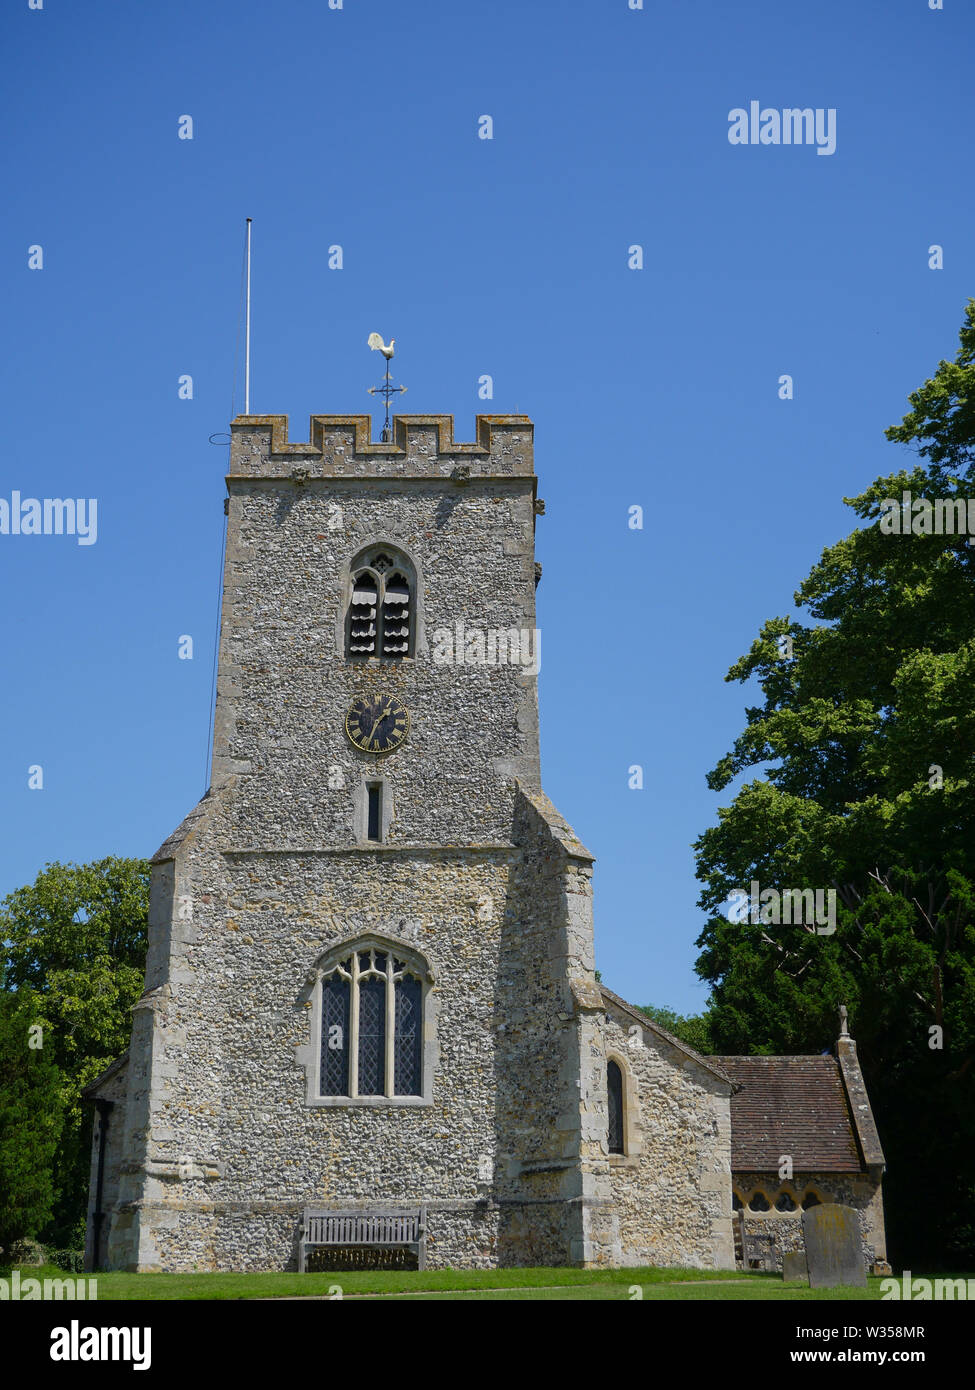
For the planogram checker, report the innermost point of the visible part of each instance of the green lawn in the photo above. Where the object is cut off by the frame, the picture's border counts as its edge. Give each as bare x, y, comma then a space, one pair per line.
519, 1284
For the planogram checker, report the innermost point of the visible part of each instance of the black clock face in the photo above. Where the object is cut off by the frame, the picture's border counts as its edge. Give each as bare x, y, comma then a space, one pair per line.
377, 723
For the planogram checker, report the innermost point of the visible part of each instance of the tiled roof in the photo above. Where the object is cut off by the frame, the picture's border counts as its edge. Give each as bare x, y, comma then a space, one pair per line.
790, 1105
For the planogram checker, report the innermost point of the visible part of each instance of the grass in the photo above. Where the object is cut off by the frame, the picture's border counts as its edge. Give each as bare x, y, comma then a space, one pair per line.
548, 1284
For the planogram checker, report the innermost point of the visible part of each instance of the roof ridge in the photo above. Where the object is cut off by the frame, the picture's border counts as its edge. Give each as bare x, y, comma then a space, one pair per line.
647, 1022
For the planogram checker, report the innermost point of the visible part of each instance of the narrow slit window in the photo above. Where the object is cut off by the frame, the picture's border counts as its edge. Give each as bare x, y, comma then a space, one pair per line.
374, 825
614, 1087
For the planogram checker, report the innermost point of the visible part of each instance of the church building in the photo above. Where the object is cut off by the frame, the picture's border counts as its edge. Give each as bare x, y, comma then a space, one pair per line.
371, 1030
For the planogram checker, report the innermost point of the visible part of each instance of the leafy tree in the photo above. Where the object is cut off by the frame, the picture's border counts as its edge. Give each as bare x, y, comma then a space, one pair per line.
866, 741
74, 943
693, 1029
31, 1118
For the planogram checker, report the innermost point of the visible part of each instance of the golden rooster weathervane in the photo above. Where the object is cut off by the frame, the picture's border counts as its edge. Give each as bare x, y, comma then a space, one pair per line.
387, 390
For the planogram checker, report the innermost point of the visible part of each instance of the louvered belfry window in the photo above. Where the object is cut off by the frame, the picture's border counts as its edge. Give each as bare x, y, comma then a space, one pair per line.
372, 1026
363, 615
380, 620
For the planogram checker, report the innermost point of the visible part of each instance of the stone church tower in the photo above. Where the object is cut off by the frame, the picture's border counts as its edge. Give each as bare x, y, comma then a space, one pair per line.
370, 983
371, 1020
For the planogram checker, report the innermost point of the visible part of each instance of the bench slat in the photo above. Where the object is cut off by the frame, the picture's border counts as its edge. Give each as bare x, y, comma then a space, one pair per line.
362, 1228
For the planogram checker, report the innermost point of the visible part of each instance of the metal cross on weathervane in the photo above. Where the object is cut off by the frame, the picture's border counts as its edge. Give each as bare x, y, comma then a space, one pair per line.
387, 390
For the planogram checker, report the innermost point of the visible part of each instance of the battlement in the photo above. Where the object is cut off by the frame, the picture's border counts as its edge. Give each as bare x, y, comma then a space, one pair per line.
342, 446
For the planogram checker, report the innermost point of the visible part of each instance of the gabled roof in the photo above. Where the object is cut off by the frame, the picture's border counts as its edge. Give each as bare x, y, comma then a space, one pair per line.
795, 1106
90, 1091
711, 1064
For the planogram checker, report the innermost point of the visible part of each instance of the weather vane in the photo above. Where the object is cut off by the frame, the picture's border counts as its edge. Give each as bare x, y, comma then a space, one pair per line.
387, 390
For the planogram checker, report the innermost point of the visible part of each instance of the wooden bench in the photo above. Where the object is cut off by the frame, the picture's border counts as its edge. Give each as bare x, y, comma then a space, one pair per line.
757, 1247
380, 1230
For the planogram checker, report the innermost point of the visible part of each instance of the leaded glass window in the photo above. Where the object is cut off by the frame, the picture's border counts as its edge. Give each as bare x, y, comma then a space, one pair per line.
409, 1035
335, 1032
372, 1026
614, 1086
372, 1036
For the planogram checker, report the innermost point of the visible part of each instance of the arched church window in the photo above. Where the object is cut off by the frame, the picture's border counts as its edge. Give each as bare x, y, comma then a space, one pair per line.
785, 1202
380, 620
759, 1202
614, 1087
810, 1200
372, 1025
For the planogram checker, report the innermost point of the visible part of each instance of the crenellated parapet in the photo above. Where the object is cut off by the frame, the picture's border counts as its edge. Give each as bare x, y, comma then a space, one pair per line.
342, 446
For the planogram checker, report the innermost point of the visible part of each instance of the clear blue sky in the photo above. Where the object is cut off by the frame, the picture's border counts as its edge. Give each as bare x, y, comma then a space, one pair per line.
509, 257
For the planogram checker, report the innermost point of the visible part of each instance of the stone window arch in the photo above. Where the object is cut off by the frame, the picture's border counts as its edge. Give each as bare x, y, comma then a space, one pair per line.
623, 1129
371, 1027
380, 619
767, 1200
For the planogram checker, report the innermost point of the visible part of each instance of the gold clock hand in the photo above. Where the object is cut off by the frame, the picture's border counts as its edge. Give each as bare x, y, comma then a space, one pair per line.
375, 726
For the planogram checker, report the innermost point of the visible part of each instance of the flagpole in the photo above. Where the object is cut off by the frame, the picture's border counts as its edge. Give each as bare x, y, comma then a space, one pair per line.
247, 330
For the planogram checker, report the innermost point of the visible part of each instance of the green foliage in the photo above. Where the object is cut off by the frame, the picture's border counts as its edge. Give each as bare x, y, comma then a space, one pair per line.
942, 421
25, 1251
72, 1261
72, 956
693, 1029
31, 1122
869, 734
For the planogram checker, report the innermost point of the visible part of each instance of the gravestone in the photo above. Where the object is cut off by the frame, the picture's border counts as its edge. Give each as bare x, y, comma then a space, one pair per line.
834, 1247
794, 1265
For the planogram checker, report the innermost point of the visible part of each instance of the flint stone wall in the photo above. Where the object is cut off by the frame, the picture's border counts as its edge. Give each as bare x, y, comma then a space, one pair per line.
232, 1151
672, 1187
784, 1228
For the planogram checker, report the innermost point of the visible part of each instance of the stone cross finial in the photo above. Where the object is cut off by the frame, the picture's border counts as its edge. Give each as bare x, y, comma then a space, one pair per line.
844, 1031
